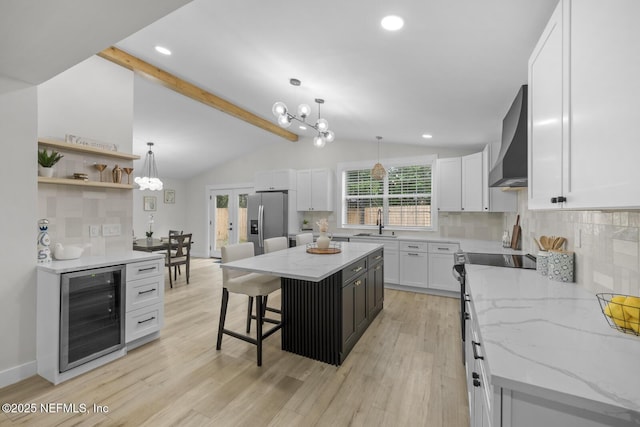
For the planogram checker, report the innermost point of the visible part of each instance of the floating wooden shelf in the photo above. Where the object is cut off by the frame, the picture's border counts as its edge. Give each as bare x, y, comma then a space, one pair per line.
81, 183
61, 145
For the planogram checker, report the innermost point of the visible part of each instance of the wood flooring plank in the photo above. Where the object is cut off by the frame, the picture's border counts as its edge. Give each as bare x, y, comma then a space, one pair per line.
406, 370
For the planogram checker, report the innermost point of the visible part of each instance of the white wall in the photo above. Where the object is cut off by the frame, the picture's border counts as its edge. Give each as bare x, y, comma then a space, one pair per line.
93, 99
167, 216
18, 192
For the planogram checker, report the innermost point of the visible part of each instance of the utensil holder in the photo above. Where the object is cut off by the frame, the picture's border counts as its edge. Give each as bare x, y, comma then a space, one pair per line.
542, 263
560, 266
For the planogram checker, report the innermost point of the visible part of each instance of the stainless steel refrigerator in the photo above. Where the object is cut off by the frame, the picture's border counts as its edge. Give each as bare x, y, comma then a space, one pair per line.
266, 217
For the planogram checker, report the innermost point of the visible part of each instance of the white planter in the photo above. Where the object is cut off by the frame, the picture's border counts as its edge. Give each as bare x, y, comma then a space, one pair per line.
46, 172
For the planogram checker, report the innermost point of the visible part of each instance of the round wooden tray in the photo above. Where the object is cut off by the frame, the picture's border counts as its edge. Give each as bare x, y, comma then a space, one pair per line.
327, 251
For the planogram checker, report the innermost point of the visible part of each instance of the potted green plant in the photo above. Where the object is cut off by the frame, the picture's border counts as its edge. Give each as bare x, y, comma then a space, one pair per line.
46, 161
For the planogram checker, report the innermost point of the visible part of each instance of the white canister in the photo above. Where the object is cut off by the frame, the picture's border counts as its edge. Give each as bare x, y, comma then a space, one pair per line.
542, 263
560, 266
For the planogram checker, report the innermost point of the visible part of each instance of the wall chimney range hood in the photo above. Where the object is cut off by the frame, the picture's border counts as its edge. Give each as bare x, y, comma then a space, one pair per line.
510, 169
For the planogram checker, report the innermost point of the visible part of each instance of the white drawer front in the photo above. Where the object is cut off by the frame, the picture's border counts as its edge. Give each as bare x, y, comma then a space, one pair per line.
139, 270
144, 292
413, 246
144, 321
443, 248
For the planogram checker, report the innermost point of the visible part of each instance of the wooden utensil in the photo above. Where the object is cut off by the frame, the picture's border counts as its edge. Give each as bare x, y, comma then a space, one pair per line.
558, 242
538, 244
544, 241
515, 236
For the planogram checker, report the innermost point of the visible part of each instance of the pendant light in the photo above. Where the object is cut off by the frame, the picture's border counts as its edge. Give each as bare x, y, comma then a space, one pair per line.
378, 172
150, 181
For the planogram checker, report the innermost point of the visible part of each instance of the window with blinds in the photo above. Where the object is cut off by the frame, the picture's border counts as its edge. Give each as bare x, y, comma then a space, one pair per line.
403, 197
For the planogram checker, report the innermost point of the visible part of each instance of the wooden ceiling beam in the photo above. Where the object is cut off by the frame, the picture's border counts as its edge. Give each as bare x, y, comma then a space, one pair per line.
192, 91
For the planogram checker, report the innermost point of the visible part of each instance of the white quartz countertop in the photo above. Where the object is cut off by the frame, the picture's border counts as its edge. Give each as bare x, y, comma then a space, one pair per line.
551, 340
87, 262
296, 263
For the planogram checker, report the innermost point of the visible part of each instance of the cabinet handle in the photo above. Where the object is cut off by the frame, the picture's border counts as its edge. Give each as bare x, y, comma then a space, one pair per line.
476, 383
355, 270
413, 247
475, 345
412, 254
145, 321
444, 249
466, 297
378, 257
467, 316
559, 199
141, 270
378, 267
146, 292
475, 375
357, 282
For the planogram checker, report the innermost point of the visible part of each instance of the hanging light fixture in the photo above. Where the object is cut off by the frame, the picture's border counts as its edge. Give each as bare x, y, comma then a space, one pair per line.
150, 181
321, 125
378, 171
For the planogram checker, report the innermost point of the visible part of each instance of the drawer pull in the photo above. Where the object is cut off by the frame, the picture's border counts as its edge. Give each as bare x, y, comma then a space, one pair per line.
475, 345
413, 247
444, 249
476, 383
355, 270
358, 282
145, 321
378, 257
412, 254
467, 316
141, 270
378, 267
146, 292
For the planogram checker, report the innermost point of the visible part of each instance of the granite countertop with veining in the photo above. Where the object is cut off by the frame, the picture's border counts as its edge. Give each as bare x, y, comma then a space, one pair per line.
296, 263
551, 340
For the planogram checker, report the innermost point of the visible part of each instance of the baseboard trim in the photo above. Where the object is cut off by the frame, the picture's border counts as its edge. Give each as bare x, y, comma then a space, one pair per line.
18, 373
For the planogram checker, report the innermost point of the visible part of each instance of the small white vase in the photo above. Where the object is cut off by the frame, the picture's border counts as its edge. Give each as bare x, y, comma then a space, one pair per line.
46, 172
323, 240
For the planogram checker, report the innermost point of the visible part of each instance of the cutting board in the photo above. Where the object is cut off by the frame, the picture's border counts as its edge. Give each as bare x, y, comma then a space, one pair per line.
515, 236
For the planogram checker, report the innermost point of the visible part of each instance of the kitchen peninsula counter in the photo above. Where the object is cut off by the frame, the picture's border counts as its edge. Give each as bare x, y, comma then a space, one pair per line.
328, 301
547, 344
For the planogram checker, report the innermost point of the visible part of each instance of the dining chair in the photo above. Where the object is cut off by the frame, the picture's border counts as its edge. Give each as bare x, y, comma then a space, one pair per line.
174, 233
255, 285
181, 244
304, 238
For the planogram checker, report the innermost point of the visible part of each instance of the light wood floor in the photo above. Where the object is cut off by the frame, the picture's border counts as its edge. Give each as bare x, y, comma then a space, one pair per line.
405, 371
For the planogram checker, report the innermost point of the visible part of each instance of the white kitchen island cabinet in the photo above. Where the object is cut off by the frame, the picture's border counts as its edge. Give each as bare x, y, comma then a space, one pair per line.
583, 114
544, 355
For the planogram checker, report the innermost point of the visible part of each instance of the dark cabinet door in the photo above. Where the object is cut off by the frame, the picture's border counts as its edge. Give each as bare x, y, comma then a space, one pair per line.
348, 318
375, 289
360, 302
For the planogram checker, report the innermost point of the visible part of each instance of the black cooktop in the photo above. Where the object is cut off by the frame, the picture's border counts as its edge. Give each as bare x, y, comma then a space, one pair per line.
501, 260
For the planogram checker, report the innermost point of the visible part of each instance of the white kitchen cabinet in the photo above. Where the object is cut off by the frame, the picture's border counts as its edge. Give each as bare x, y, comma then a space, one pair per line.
583, 112
275, 180
463, 185
315, 190
449, 184
473, 185
440, 266
144, 304
414, 265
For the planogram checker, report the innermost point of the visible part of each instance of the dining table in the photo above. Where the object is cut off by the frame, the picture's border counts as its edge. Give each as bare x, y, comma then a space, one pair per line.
152, 245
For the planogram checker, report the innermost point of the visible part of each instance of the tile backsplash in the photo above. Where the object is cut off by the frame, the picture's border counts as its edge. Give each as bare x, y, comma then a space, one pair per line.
71, 210
607, 256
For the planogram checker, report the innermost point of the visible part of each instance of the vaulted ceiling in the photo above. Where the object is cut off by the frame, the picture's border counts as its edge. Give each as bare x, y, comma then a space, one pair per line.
451, 72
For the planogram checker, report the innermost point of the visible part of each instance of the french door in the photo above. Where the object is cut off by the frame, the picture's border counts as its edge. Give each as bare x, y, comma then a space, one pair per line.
227, 218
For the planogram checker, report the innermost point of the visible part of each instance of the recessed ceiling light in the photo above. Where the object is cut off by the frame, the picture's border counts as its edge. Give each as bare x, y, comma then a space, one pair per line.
392, 23
427, 136
163, 50
303, 127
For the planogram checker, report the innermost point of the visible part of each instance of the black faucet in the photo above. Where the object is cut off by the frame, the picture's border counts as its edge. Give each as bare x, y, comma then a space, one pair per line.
379, 221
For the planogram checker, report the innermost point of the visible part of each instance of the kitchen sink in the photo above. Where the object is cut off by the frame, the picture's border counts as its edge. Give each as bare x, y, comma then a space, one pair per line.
375, 236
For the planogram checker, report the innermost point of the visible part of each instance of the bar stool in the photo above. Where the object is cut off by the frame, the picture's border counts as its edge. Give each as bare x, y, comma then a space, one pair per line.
304, 238
252, 284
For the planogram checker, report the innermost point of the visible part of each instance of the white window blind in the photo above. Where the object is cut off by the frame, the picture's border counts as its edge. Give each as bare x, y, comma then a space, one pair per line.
403, 197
